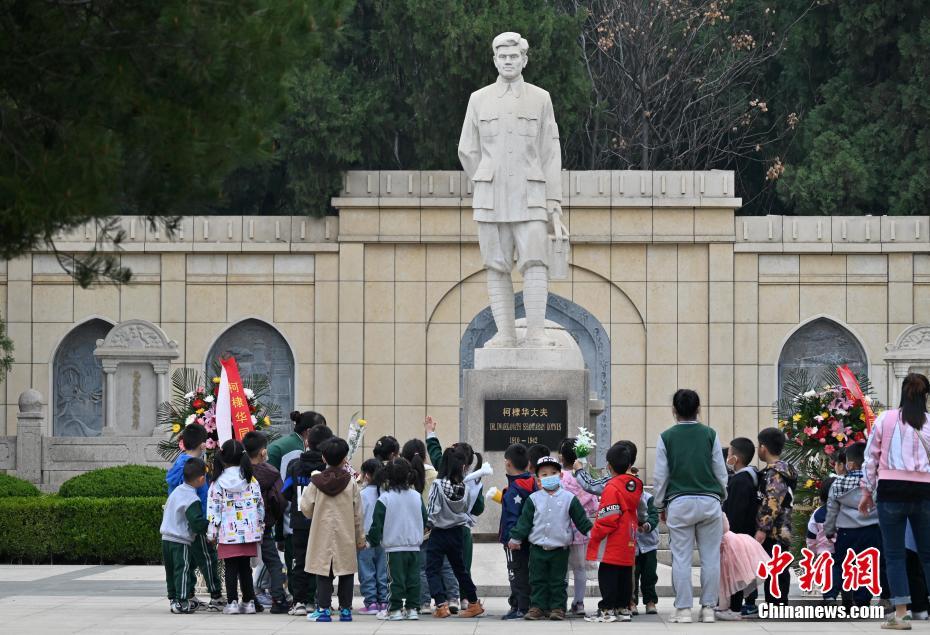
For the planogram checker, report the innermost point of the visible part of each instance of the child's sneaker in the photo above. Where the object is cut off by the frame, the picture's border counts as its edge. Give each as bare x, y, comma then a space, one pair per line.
216, 604
319, 615
263, 598
474, 609
298, 608
231, 608
578, 609
248, 608
442, 611
623, 615
728, 615
178, 608
279, 608
370, 609
895, 623
396, 616
602, 616
383, 614
345, 615
413, 614
195, 603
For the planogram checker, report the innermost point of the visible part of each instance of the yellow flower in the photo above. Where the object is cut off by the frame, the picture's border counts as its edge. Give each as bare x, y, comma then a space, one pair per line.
216, 380
781, 424
362, 423
199, 411
809, 483
796, 417
267, 420
176, 428
839, 436
862, 417
825, 414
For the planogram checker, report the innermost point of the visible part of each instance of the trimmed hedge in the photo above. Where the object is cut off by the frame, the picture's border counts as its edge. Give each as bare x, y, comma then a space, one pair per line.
125, 481
12, 486
56, 529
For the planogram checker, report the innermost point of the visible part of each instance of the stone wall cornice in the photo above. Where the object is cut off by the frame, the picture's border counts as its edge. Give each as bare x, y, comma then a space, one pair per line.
224, 234
832, 234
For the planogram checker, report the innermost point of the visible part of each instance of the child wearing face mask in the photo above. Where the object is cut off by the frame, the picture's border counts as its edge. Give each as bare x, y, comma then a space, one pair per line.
546, 520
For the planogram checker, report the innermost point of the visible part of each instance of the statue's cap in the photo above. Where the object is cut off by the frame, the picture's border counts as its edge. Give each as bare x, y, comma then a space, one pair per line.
510, 39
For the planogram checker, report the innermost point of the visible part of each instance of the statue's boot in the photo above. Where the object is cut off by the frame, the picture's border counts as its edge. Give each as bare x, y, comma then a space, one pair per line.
500, 292
535, 296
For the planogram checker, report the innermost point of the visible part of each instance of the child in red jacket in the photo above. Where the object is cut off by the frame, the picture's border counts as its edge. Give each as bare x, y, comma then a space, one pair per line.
613, 538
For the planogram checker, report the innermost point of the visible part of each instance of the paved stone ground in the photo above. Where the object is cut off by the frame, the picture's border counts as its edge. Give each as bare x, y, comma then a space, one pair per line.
130, 599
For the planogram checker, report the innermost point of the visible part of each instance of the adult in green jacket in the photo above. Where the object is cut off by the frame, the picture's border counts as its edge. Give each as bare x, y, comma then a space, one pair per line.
280, 453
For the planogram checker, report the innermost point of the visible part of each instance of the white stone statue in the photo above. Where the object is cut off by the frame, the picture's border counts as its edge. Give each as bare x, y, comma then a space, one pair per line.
510, 149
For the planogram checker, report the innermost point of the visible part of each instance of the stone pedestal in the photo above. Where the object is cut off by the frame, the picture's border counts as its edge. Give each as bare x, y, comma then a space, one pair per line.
524, 380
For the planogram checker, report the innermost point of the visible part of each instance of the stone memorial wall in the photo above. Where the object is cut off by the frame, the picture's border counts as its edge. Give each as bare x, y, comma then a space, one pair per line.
378, 310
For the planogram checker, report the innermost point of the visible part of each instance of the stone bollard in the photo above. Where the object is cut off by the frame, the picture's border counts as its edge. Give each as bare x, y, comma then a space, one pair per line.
29, 436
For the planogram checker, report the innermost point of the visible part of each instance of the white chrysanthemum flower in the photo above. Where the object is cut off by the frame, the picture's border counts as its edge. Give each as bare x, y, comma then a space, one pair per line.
189, 395
810, 393
191, 418
208, 398
254, 420
248, 393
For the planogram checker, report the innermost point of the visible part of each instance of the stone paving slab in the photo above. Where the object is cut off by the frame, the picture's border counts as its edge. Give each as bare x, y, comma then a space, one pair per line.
120, 614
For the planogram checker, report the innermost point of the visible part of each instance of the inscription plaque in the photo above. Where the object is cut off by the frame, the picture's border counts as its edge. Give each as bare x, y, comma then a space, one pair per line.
527, 421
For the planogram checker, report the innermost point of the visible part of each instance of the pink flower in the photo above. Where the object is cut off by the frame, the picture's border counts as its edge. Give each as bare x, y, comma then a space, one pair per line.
848, 430
200, 421
210, 444
810, 431
836, 427
200, 389
829, 449
823, 440
210, 426
818, 419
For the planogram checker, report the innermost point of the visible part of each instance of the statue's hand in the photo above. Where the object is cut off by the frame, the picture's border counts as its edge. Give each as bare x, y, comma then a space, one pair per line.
555, 218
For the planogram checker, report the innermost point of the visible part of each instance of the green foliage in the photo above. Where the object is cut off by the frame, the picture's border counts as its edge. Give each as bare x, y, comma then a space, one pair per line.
858, 71
12, 486
125, 481
391, 94
6, 350
52, 528
139, 107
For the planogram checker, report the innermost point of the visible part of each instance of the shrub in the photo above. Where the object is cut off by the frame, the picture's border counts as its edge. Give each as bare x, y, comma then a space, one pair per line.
116, 482
12, 486
52, 528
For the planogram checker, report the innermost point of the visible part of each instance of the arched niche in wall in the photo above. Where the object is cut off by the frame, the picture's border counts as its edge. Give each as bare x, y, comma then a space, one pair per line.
77, 382
818, 346
260, 349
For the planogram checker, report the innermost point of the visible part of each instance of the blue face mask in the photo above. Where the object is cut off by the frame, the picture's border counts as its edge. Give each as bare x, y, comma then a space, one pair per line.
550, 483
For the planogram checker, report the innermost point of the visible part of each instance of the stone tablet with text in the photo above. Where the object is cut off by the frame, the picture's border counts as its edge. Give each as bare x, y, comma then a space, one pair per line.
527, 421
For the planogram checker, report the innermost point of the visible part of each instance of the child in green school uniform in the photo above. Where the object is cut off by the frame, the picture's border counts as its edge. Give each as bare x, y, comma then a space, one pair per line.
182, 522
397, 525
546, 521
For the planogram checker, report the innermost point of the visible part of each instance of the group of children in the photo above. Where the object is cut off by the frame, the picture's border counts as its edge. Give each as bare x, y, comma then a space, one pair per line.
403, 525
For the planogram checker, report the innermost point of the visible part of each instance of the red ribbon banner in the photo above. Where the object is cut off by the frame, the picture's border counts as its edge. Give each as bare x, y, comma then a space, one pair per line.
238, 403
854, 393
